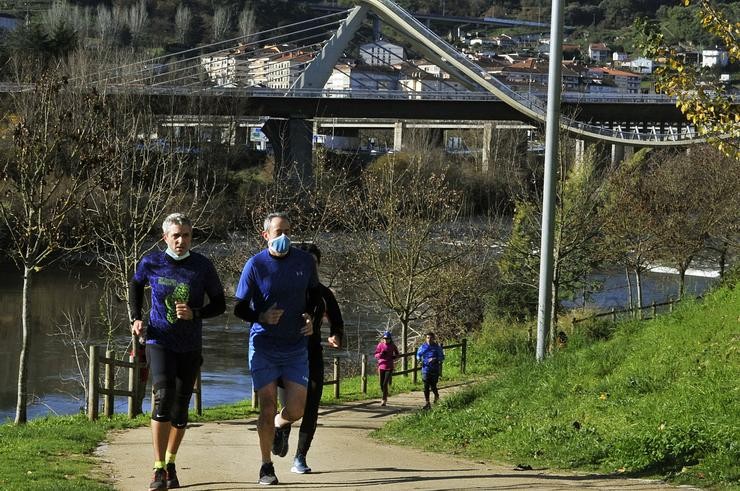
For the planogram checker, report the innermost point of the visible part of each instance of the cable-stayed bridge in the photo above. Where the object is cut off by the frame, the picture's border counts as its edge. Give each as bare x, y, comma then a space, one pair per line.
308, 64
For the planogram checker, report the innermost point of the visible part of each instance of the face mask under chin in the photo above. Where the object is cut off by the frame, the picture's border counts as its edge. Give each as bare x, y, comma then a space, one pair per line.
174, 256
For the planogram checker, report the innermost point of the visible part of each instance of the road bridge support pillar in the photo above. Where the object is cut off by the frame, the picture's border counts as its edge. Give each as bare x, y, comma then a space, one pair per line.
618, 152
292, 145
398, 128
486, 147
621, 152
580, 151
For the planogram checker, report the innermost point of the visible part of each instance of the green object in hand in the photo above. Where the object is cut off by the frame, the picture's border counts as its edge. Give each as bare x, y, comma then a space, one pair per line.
181, 294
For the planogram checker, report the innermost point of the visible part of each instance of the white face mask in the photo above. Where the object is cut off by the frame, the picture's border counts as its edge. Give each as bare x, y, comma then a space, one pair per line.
174, 256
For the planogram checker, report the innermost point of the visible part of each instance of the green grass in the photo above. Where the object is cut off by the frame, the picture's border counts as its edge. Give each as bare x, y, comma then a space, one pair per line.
659, 398
56, 452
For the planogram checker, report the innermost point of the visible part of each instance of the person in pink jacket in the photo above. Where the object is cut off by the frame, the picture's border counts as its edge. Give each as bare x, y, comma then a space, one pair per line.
386, 352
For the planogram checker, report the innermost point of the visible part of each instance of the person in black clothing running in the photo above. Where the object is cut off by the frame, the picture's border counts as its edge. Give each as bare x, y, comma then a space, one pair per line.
315, 371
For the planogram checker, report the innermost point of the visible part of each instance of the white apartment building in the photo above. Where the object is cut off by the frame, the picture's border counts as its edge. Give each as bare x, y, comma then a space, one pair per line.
382, 53
347, 77
271, 67
640, 65
714, 57
226, 70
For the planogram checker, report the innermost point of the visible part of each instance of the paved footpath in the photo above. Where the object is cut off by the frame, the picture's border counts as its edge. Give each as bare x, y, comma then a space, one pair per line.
225, 456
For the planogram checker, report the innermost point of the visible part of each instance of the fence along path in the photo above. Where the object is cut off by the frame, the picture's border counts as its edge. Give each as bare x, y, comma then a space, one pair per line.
133, 367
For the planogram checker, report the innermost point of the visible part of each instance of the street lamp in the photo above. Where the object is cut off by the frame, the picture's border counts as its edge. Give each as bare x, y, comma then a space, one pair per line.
552, 130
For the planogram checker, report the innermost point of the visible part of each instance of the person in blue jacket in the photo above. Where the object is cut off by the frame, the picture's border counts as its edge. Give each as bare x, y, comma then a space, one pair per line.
431, 356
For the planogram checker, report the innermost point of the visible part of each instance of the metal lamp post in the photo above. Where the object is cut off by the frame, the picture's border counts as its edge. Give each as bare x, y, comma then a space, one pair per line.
552, 127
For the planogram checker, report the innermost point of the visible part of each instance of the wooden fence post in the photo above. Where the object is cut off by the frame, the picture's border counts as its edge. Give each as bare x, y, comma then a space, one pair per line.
336, 378
463, 356
363, 374
92, 385
670, 304
133, 383
655, 310
416, 367
614, 315
110, 384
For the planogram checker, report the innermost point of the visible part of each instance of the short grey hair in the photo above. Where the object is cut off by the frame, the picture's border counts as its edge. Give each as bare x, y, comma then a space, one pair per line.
272, 216
175, 219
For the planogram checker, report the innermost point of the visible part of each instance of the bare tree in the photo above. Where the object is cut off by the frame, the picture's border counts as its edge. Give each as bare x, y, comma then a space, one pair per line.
183, 21
136, 20
221, 23
247, 21
630, 233
693, 195
108, 25
63, 15
49, 172
400, 213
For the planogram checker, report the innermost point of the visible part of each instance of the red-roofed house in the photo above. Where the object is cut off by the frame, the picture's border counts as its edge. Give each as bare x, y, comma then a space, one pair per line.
599, 52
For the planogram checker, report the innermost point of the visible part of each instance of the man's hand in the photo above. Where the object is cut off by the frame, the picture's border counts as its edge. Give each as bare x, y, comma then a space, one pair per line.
271, 315
307, 328
183, 311
137, 328
334, 341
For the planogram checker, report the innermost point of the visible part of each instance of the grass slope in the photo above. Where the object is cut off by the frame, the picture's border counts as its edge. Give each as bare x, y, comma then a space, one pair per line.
658, 398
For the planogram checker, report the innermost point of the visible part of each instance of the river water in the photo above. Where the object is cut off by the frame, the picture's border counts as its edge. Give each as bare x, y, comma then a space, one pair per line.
53, 366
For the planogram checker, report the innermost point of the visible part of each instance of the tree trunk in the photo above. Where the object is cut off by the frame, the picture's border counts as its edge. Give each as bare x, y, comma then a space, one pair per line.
629, 291
21, 415
638, 285
404, 343
722, 261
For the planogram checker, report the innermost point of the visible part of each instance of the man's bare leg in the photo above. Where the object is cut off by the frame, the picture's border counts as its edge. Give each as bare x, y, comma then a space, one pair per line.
295, 403
266, 423
160, 437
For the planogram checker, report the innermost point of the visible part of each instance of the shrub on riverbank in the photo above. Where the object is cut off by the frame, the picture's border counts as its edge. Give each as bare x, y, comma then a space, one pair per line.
658, 398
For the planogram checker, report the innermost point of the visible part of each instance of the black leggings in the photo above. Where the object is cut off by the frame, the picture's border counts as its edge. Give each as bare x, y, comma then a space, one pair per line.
386, 379
430, 384
173, 377
313, 399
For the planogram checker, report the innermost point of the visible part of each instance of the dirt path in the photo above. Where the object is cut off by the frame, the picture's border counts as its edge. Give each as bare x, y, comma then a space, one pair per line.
225, 456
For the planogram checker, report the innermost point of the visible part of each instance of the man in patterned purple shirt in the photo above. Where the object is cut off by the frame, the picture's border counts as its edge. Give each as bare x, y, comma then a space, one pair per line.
179, 280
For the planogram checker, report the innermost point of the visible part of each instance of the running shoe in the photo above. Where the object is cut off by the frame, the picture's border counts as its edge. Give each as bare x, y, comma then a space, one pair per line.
159, 481
299, 465
280, 443
267, 475
172, 481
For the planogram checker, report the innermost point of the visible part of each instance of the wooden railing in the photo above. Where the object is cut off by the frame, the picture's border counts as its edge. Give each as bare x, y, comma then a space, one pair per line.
613, 313
108, 390
414, 370
337, 376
